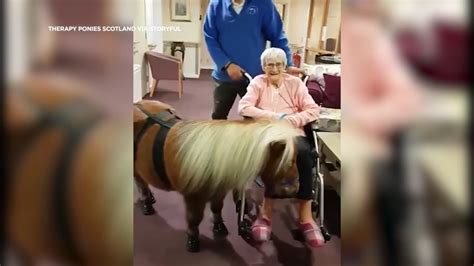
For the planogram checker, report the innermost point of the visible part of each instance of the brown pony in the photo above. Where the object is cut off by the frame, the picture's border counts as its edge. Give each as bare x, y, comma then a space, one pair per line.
203, 160
68, 185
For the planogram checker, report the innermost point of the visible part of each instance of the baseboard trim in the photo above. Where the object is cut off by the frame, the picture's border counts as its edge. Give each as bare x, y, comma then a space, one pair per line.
191, 76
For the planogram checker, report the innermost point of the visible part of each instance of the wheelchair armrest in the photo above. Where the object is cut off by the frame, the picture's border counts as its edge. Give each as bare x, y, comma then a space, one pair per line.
308, 130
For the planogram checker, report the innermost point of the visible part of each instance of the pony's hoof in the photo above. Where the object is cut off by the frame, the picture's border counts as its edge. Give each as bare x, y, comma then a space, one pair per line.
245, 229
220, 230
192, 244
151, 200
147, 209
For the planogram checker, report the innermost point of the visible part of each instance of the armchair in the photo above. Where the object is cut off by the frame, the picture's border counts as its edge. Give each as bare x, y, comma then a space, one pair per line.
165, 67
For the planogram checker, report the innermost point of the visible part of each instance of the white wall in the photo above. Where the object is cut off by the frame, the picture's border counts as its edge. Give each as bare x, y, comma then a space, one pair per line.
139, 37
287, 17
140, 45
205, 58
298, 24
334, 19
316, 25
190, 31
154, 17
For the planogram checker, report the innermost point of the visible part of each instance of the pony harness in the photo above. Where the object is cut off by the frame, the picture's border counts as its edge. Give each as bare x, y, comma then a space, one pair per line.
166, 119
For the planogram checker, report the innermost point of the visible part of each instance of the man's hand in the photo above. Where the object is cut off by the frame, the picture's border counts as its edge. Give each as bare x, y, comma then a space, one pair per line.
234, 71
294, 71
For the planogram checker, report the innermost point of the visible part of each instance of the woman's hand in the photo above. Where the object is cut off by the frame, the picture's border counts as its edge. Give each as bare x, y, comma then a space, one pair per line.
287, 118
290, 119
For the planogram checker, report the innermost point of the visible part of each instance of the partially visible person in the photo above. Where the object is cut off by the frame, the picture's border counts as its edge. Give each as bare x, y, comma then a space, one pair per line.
236, 32
280, 96
381, 99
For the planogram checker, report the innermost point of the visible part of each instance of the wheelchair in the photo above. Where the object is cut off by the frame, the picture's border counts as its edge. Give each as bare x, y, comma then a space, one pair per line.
317, 206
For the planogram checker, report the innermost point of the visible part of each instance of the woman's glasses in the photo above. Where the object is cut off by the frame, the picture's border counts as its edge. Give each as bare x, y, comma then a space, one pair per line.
273, 65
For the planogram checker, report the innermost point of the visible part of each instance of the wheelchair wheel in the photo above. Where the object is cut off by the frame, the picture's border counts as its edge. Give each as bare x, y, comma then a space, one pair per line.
315, 209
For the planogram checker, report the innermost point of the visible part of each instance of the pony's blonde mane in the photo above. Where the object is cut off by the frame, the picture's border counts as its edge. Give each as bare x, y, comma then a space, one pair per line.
221, 155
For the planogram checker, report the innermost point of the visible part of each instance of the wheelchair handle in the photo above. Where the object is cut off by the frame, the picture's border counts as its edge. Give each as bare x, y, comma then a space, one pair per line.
247, 75
305, 79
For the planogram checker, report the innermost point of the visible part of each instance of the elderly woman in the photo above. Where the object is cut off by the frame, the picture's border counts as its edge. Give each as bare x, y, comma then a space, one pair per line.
277, 95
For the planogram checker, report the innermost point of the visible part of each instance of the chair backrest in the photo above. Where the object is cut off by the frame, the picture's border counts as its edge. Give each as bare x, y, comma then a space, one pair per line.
332, 91
178, 47
163, 66
315, 91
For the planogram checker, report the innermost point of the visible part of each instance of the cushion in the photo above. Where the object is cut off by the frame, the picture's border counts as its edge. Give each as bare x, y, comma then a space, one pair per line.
316, 72
332, 91
315, 91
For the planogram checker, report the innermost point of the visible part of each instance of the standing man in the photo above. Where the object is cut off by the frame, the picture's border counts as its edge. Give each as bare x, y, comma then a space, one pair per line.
236, 32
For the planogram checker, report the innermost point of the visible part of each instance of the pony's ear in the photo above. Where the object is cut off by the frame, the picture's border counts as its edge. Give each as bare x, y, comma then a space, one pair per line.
139, 119
138, 116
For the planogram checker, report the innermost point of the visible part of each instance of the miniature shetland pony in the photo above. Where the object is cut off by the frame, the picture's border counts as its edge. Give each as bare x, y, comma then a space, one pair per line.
204, 160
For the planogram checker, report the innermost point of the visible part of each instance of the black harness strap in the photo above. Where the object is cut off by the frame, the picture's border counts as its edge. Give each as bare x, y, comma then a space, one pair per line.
159, 155
166, 119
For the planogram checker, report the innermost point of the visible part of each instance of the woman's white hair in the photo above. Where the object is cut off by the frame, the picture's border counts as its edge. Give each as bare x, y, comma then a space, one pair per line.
273, 54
